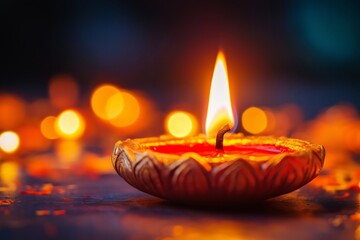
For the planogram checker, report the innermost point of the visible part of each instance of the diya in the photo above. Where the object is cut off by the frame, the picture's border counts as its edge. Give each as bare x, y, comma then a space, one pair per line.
217, 168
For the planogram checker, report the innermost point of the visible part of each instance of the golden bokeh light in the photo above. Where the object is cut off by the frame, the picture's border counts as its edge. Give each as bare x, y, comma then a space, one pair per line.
219, 111
70, 124
9, 141
145, 113
271, 121
254, 120
95, 164
114, 105
180, 124
47, 127
107, 101
9, 174
130, 112
120, 108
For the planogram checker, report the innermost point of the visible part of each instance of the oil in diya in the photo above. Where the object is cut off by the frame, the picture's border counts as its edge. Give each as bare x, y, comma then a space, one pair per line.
217, 168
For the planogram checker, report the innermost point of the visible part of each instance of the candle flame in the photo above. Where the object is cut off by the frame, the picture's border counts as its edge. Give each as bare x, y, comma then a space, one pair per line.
219, 111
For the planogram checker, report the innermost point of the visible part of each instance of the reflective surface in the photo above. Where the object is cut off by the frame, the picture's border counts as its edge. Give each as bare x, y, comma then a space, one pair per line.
107, 208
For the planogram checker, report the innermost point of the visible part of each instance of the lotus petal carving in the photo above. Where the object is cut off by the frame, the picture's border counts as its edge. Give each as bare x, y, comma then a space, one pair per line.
236, 178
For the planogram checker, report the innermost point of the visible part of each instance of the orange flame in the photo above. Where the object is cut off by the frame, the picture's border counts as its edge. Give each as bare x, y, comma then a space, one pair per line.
219, 109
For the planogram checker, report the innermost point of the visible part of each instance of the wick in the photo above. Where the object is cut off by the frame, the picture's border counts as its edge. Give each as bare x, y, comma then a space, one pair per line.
220, 137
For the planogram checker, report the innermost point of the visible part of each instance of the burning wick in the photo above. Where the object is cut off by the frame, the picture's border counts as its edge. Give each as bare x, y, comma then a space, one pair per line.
220, 137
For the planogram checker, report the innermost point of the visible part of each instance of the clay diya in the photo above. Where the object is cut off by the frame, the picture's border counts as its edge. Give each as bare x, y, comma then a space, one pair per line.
217, 168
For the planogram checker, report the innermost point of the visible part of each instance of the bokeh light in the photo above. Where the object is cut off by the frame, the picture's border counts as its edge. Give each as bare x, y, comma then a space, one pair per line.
114, 105
63, 91
95, 164
68, 151
32, 138
180, 124
352, 137
271, 121
107, 101
41, 108
70, 124
12, 111
47, 127
130, 112
9, 141
41, 165
9, 174
333, 128
254, 120
120, 108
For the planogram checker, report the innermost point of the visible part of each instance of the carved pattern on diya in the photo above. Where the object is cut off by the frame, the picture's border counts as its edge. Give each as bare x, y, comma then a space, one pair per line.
231, 178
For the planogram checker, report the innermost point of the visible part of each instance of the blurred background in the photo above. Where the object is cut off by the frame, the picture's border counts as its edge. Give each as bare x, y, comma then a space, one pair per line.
77, 76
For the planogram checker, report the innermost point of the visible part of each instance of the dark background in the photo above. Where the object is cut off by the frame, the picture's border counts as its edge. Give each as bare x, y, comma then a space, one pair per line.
303, 52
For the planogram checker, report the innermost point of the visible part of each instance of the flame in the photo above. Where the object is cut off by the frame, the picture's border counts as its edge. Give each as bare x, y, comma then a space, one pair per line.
219, 111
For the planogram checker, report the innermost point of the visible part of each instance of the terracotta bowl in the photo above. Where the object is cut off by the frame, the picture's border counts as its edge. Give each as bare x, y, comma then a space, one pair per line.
193, 178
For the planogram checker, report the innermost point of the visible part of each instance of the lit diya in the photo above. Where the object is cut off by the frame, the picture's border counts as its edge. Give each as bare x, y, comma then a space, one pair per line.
217, 168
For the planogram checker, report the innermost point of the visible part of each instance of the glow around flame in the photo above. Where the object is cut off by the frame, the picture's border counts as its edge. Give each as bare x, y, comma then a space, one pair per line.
219, 111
